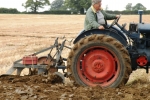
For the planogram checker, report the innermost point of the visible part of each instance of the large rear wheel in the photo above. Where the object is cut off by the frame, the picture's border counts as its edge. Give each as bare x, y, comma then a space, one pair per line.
99, 60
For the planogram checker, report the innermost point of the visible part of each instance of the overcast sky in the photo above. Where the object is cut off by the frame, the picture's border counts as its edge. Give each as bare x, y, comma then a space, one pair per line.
112, 4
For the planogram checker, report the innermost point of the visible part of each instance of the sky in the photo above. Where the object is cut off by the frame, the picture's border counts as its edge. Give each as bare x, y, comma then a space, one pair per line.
112, 4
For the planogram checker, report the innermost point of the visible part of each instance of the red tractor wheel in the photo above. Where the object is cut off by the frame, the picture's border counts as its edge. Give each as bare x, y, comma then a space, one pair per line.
99, 60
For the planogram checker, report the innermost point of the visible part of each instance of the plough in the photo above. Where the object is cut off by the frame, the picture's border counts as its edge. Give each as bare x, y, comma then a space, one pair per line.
43, 65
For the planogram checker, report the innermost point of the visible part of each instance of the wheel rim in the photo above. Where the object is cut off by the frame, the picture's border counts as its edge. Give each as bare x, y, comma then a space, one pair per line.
98, 66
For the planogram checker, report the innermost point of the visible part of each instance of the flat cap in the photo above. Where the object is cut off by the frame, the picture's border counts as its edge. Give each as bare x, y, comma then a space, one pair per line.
95, 1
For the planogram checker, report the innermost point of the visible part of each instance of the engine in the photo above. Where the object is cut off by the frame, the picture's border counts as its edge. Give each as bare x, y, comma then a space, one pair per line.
140, 36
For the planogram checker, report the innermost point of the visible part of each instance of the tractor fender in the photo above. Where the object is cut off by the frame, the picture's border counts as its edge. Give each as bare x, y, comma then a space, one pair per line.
113, 32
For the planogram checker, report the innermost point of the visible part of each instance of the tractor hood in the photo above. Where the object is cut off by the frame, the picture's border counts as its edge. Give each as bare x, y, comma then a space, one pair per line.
144, 28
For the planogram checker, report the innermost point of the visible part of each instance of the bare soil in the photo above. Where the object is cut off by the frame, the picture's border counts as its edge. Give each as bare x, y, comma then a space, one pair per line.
22, 35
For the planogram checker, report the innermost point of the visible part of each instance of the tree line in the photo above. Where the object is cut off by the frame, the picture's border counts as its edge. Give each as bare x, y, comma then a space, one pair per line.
69, 7
10, 10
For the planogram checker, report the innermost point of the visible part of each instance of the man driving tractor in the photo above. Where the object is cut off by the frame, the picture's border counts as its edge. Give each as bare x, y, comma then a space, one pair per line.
96, 17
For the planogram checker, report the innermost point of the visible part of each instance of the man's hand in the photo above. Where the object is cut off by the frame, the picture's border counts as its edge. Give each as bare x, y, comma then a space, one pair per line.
101, 27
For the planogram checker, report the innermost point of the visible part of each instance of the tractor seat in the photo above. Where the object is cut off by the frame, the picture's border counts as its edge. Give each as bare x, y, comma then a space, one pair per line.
144, 28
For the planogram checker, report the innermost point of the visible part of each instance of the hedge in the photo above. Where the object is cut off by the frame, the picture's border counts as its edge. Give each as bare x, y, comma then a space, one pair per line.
15, 11
11, 10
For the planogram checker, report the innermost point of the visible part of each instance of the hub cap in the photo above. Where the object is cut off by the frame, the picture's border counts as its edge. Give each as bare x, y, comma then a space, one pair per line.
98, 66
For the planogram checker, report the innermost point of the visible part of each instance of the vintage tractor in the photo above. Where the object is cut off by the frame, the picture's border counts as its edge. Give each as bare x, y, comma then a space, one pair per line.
98, 57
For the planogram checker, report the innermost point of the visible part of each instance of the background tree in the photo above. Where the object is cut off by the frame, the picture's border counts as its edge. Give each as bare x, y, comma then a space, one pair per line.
138, 6
34, 5
57, 5
129, 7
78, 5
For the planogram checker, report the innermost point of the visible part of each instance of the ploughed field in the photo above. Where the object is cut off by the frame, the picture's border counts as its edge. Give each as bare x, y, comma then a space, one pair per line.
22, 35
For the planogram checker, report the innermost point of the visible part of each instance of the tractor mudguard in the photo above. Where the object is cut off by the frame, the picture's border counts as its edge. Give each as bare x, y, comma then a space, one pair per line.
113, 32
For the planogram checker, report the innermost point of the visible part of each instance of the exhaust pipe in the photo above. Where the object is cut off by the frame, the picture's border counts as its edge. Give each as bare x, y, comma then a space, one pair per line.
140, 12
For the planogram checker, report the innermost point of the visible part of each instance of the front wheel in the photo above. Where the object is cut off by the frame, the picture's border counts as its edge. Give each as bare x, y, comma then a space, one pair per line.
99, 60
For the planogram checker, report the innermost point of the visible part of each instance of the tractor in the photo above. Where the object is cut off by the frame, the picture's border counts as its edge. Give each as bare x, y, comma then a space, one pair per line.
103, 58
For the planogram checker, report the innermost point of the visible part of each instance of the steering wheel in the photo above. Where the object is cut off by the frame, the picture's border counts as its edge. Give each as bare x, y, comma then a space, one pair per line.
115, 21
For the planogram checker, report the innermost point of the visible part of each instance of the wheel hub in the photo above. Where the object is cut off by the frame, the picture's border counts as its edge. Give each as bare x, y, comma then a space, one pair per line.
98, 66
142, 60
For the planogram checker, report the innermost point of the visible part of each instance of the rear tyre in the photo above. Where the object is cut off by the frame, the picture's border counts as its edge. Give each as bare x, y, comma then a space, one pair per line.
99, 60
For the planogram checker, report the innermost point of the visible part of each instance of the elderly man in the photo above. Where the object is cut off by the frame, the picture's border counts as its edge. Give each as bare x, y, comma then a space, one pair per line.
96, 17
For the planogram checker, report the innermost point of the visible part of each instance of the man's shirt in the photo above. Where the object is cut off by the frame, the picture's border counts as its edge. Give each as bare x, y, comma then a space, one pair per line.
100, 18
